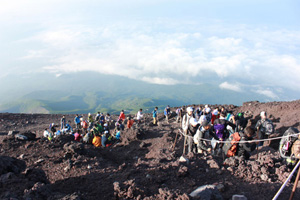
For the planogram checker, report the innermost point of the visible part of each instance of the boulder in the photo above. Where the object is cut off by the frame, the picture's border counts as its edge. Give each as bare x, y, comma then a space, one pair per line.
207, 192
239, 197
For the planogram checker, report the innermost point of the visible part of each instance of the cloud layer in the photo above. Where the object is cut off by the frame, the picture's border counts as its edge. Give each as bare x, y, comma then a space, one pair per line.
235, 56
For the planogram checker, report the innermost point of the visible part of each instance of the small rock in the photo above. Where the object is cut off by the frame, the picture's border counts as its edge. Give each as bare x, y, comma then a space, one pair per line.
12, 133
148, 176
21, 156
183, 159
207, 170
39, 161
21, 137
230, 169
89, 167
264, 177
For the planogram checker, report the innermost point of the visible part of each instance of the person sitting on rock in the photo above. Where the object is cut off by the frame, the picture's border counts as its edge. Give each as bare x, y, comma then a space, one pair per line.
129, 122
264, 127
48, 135
52, 128
245, 149
104, 139
77, 136
96, 141
68, 128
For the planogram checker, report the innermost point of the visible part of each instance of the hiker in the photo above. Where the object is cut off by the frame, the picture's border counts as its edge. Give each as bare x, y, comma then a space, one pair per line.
77, 121
167, 113
215, 115
122, 116
155, 116
96, 141
77, 136
48, 135
97, 117
84, 125
88, 138
264, 126
129, 122
104, 139
207, 113
108, 119
240, 122
139, 116
90, 120
179, 113
118, 134
245, 149
189, 126
220, 126
198, 113
102, 119
98, 129
230, 117
67, 128
62, 122
52, 128
200, 134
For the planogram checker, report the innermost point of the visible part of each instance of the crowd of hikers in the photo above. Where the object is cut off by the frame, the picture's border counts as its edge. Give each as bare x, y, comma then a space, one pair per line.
205, 130
99, 130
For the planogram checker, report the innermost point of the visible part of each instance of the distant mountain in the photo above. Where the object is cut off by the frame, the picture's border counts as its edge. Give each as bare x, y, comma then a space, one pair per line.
92, 92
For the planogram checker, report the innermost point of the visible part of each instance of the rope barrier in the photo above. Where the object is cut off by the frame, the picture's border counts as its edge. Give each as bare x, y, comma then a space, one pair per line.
249, 141
284, 184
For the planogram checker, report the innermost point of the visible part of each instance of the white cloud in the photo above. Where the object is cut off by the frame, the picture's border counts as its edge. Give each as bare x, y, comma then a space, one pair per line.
267, 93
229, 86
161, 81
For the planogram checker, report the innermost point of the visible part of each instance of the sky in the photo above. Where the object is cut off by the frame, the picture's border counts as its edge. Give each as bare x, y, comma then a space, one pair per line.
239, 45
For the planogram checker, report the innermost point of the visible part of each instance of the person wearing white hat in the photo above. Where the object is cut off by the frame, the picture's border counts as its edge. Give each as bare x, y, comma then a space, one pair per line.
264, 127
189, 126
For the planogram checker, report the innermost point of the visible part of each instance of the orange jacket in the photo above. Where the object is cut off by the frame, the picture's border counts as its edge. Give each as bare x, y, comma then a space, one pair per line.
96, 141
130, 123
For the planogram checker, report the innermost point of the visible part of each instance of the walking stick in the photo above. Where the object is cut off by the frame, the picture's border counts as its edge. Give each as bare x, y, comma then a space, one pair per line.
295, 184
175, 141
185, 137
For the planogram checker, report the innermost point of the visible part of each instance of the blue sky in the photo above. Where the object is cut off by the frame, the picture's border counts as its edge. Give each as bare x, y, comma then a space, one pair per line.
239, 45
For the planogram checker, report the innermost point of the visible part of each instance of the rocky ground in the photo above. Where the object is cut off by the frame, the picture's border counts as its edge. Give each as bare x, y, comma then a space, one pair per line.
142, 166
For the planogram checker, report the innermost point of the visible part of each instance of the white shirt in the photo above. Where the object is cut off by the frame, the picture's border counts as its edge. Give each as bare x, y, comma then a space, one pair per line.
139, 115
46, 134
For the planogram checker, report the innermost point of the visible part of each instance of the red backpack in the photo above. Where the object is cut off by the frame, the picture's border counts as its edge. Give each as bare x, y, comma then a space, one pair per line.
230, 148
84, 125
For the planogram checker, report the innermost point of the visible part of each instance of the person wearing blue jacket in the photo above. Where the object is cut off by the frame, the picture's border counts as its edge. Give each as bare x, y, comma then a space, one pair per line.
155, 116
167, 113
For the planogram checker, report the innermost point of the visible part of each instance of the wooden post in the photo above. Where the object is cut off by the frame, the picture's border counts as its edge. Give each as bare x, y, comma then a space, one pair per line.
295, 184
175, 141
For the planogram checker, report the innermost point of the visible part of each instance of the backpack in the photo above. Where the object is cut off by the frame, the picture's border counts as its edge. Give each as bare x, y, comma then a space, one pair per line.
296, 149
269, 128
84, 125
286, 143
230, 147
219, 128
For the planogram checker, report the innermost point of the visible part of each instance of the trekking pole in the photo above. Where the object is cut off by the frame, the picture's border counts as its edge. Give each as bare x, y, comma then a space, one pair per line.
185, 137
295, 184
175, 141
